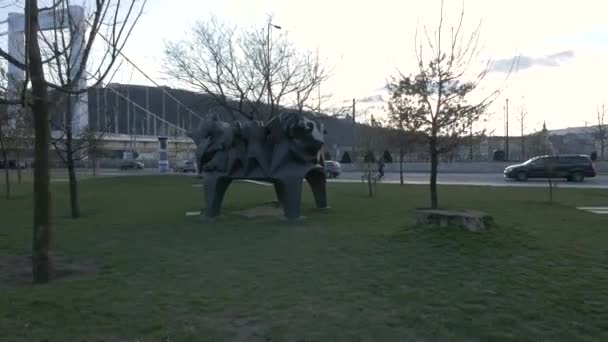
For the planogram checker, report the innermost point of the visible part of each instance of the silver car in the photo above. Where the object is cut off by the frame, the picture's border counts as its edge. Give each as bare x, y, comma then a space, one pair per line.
185, 166
332, 168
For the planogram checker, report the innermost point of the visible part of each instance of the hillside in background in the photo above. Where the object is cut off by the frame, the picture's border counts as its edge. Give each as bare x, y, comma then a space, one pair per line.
110, 111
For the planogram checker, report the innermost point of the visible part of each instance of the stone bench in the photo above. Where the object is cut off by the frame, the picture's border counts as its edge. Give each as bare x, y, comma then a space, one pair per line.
474, 221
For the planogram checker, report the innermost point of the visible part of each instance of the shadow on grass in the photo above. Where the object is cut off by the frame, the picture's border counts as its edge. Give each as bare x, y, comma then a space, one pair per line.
16, 270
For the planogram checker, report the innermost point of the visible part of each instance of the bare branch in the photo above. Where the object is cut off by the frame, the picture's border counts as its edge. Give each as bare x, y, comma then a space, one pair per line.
241, 69
49, 8
437, 100
11, 59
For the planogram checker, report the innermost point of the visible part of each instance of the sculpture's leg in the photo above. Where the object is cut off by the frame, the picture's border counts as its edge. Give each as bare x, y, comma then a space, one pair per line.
279, 190
290, 190
279, 156
317, 181
251, 164
215, 188
262, 162
234, 162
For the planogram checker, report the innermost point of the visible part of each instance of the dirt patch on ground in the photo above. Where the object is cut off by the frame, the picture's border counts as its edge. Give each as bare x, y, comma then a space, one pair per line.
265, 210
16, 270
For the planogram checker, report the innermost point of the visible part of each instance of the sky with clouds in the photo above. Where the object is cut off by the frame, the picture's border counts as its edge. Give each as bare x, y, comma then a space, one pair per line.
562, 46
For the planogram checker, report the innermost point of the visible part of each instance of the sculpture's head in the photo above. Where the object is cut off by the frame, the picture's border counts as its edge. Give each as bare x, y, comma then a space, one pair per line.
304, 135
212, 136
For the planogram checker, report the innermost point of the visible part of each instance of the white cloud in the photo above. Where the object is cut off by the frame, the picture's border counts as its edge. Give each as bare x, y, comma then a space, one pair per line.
520, 63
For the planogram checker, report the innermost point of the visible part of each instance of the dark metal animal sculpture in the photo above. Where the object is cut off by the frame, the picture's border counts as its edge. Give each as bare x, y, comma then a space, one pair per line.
284, 152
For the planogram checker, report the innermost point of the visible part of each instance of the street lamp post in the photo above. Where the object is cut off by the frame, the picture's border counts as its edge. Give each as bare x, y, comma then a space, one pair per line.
354, 135
268, 85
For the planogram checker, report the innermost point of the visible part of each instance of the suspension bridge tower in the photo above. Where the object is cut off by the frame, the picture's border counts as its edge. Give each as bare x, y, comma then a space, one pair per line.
72, 19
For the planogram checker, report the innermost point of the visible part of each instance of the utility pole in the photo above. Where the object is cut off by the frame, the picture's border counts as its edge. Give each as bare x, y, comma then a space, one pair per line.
269, 86
354, 135
523, 143
471, 140
507, 130
116, 112
319, 103
164, 127
129, 112
134, 116
105, 109
522, 117
148, 109
98, 106
177, 121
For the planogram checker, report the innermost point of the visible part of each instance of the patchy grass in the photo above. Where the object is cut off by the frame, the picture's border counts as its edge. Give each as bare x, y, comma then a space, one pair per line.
360, 271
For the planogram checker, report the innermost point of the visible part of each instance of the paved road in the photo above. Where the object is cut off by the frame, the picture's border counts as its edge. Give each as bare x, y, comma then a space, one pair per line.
487, 179
481, 179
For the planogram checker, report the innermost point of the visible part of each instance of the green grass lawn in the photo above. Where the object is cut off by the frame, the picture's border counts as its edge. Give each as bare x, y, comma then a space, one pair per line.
359, 271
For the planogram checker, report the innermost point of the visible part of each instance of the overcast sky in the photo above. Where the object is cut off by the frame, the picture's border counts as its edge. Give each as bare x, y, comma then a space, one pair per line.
563, 45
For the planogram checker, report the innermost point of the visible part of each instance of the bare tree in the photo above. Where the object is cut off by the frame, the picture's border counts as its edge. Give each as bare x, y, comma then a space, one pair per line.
437, 100
398, 118
62, 48
71, 149
16, 136
372, 143
5, 135
20, 134
551, 167
4, 151
600, 134
251, 72
58, 58
522, 118
309, 80
94, 140
539, 143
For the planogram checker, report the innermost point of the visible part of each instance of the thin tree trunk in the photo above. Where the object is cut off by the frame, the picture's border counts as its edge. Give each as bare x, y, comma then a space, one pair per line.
69, 151
370, 190
74, 205
523, 140
175, 142
41, 244
401, 165
18, 165
94, 159
7, 179
471, 143
433, 182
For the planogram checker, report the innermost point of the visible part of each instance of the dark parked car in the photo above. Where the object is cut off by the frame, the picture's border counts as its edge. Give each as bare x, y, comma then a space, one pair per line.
131, 164
332, 168
572, 167
13, 164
